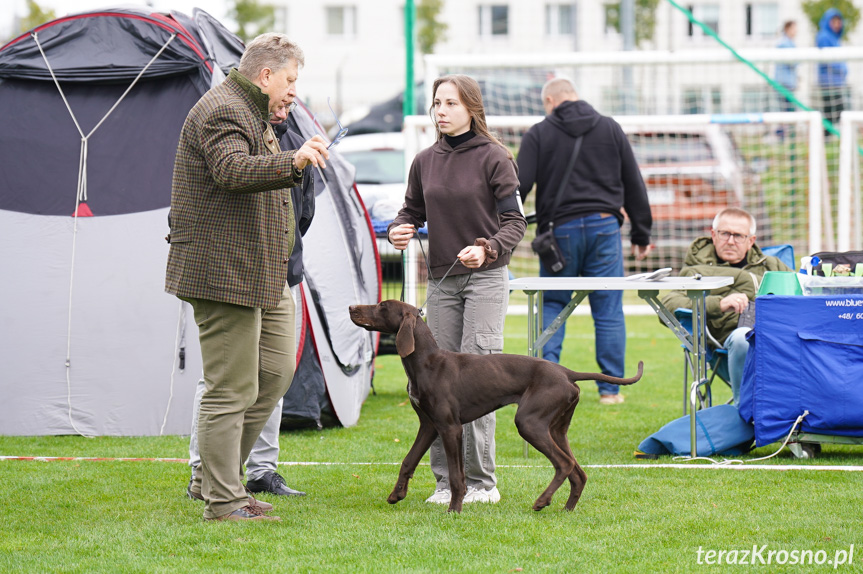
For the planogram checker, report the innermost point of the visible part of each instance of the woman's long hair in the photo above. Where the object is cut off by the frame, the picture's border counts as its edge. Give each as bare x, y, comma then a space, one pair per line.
471, 97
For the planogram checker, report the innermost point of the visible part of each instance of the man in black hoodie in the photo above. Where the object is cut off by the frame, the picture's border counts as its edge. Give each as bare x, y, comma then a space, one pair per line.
587, 220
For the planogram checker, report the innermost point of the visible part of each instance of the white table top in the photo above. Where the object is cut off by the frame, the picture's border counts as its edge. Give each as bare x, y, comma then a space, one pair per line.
616, 284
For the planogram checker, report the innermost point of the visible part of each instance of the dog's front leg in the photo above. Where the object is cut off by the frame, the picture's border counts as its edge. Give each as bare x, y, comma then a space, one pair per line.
425, 437
452, 445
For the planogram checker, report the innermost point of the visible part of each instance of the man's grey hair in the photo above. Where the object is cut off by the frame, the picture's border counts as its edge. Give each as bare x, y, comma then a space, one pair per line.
270, 50
735, 212
558, 86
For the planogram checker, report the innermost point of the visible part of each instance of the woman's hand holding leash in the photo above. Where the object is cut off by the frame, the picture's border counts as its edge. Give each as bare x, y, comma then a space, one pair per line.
472, 257
401, 235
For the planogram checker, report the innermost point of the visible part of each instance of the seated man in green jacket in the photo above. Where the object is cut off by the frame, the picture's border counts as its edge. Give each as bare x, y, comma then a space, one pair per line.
730, 251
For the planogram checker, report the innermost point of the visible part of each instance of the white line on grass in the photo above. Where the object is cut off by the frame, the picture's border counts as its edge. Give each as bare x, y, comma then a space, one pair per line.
607, 466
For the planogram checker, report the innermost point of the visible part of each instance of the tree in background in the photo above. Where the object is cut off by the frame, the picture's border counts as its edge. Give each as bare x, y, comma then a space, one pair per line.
36, 16
430, 30
814, 10
645, 18
252, 18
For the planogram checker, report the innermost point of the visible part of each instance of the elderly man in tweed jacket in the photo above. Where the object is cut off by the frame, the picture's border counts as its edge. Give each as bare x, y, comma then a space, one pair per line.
232, 233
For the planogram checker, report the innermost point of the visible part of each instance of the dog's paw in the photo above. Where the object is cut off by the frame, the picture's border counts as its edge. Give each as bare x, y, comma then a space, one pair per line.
541, 503
396, 495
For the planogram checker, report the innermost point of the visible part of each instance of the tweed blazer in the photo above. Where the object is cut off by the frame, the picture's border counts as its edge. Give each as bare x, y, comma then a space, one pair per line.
232, 220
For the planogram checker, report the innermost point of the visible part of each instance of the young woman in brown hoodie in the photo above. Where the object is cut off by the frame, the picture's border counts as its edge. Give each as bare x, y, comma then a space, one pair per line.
465, 186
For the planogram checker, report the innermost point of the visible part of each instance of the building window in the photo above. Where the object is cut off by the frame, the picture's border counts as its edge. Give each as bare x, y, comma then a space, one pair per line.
707, 14
611, 19
559, 19
702, 100
342, 21
755, 99
493, 20
281, 13
762, 20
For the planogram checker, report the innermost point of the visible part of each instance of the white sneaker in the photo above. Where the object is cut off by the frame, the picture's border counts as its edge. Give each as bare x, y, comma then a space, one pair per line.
481, 495
440, 496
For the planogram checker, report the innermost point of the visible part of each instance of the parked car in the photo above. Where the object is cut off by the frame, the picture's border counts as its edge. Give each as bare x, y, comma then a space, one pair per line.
381, 174
692, 173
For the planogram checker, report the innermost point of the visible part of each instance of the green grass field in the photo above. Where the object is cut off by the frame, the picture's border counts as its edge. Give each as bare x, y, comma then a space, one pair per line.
111, 516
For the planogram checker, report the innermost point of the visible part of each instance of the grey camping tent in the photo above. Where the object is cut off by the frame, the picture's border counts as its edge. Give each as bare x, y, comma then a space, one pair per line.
91, 107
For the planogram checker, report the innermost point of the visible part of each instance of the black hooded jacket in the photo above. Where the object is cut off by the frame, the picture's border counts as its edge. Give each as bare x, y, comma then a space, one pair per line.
605, 178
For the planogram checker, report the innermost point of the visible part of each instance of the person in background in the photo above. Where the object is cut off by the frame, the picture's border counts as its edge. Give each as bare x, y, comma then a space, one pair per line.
786, 73
261, 466
466, 187
605, 180
730, 251
831, 75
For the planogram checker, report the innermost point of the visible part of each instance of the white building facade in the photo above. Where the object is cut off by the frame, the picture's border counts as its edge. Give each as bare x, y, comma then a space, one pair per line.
355, 49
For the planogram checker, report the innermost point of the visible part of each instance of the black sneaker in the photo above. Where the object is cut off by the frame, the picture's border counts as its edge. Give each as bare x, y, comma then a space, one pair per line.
272, 483
191, 493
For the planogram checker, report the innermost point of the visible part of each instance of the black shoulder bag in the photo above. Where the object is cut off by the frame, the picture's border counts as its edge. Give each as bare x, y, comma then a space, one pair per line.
544, 244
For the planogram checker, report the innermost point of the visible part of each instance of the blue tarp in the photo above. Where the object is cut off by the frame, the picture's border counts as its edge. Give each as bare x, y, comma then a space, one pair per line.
806, 353
718, 430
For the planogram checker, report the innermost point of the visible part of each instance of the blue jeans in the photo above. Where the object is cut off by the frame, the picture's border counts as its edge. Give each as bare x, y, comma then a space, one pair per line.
737, 347
591, 247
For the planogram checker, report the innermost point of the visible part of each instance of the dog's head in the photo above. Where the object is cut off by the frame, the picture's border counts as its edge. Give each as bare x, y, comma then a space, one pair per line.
389, 316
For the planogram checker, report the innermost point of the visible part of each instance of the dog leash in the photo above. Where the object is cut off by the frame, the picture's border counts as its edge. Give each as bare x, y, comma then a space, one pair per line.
437, 286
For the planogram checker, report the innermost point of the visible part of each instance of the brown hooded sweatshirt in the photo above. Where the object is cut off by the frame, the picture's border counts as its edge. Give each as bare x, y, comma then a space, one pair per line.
467, 195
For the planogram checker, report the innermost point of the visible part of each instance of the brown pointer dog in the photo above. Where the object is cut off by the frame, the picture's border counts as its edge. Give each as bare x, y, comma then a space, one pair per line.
449, 389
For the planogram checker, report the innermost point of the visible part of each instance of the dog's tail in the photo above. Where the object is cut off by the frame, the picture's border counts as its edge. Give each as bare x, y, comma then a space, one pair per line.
576, 376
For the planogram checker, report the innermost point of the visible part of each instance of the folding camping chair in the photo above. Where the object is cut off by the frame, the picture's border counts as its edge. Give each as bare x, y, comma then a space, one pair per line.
717, 361
784, 252
716, 356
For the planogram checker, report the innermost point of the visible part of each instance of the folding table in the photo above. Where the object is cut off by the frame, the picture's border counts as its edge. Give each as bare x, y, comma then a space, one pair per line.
696, 289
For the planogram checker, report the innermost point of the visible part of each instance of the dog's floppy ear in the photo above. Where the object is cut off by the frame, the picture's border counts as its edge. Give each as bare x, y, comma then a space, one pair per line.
405, 336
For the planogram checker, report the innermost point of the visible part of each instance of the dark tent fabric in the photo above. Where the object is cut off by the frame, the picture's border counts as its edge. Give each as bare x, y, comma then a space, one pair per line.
341, 267
115, 45
306, 404
122, 141
387, 116
90, 343
502, 96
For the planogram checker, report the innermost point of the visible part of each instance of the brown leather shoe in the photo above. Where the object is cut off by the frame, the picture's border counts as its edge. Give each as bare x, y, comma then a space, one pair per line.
245, 513
264, 506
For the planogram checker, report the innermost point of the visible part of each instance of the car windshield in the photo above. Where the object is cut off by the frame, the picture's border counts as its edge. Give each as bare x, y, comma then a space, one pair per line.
378, 166
670, 148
